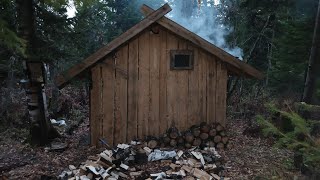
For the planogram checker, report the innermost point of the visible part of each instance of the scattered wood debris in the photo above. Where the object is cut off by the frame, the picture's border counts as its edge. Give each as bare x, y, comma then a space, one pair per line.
121, 162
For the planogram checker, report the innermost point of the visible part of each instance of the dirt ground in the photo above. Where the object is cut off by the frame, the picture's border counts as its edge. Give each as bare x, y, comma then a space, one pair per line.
250, 157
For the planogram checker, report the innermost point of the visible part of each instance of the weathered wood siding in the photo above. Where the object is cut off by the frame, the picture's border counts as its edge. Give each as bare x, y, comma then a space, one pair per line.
134, 93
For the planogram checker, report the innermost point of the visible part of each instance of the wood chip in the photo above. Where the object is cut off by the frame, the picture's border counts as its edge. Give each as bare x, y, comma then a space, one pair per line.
72, 167
123, 146
115, 174
124, 166
166, 161
106, 157
92, 169
174, 166
210, 166
148, 150
192, 161
84, 177
201, 174
179, 153
137, 173
104, 175
123, 175
199, 156
182, 172
215, 176
187, 168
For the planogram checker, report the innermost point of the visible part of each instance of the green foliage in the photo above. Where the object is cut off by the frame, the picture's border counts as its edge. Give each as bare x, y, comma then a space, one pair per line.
10, 40
299, 139
275, 36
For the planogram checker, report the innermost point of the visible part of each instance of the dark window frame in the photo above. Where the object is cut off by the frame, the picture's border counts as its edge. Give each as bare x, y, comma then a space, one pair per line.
173, 54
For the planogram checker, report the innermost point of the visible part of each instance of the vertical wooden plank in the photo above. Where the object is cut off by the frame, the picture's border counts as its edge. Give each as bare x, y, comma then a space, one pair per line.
155, 47
164, 61
211, 88
194, 89
202, 85
133, 89
95, 98
221, 93
121, 69
143, 85
182, 89
172, 44
108, 79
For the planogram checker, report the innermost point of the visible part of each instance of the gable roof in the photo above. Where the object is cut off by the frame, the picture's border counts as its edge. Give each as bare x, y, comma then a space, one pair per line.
157, 16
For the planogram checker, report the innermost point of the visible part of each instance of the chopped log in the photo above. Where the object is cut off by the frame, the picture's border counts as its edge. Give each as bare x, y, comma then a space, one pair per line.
180, 140
219, 128
173, 143
195, 131
210, 144
152, 143
197, 142
212, 132
204, 127
188, 145
141, 157
229, 146
220, 145
204, 136
173, 132
225, 140
222, 133
217, 139
189, 137
166, 139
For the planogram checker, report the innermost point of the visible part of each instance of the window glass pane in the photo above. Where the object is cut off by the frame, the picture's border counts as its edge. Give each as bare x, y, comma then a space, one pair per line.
181, 60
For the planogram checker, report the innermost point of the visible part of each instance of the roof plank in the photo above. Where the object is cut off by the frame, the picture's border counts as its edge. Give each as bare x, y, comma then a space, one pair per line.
152, 17
221, 54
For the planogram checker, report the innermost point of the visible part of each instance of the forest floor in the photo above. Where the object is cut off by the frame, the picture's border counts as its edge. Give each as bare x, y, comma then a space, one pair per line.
252, 156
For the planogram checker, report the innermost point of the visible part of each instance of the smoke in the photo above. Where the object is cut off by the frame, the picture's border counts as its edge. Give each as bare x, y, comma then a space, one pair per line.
205, 21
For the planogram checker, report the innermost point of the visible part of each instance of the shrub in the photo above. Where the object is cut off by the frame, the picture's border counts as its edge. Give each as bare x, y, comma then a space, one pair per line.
298, 139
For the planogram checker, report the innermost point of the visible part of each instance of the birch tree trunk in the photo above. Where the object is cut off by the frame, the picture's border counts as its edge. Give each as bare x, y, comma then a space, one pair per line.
314, 63
34, 70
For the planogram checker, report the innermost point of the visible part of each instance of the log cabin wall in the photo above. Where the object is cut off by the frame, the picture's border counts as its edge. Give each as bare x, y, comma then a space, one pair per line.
135, 93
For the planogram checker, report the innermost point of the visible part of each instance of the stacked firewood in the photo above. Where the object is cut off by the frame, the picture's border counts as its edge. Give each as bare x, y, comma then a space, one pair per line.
203, 135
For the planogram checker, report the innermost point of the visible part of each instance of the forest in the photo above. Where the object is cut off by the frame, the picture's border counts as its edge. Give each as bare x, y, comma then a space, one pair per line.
258, 116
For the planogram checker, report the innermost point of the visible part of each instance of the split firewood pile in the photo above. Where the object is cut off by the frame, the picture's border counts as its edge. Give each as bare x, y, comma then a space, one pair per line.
134, 160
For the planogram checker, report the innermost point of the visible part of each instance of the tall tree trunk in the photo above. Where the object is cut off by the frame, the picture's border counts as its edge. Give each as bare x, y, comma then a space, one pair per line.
314, 63
40, 125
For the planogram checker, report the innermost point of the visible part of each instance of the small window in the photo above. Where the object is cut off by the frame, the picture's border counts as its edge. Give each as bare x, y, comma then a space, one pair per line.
181, 59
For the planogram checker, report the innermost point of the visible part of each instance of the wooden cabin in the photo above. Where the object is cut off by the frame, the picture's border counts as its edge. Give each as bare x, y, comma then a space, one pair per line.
154, 76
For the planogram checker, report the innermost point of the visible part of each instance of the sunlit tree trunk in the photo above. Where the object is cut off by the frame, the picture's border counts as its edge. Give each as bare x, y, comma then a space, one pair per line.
40, 125
314, 63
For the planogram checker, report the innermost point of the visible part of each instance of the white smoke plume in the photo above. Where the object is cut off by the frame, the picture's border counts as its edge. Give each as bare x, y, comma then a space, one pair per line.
205, 21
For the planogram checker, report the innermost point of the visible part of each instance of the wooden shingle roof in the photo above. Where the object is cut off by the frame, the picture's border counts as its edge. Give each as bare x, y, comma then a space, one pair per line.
157, 16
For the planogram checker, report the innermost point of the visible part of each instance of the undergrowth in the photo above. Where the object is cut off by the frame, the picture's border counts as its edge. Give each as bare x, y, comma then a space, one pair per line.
298, 139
